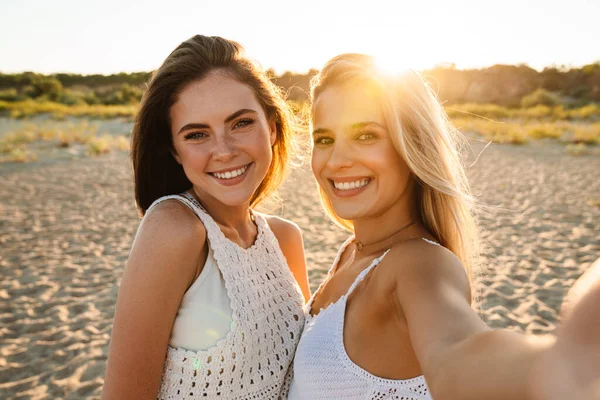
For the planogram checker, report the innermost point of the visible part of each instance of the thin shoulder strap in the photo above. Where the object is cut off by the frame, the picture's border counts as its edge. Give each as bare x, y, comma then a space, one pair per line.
182, 198
330, 273
365, 272
187, 199
375, 263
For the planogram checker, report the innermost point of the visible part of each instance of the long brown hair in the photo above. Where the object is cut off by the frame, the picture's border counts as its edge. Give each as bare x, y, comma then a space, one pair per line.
156, 171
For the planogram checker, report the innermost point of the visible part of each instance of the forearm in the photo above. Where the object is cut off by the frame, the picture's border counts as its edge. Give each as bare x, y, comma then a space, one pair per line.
489, 364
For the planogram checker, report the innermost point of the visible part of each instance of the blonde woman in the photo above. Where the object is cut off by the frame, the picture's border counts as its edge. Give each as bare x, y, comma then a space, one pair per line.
210, 304
393, 319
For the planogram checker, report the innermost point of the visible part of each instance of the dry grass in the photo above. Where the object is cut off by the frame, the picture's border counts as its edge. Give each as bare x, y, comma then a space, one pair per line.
523, 131
22, 109
18, 155
577, 149
554, 113
14, 145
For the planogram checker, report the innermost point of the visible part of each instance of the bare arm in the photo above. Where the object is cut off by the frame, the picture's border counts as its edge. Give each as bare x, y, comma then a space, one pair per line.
571, 369
460, 356
163, 263
290, 241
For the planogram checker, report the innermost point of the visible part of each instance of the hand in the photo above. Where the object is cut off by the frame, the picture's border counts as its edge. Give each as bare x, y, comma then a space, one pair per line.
570, 369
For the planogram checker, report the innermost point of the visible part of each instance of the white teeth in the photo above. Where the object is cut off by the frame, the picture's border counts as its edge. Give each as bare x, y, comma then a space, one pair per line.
230, 174
351, 185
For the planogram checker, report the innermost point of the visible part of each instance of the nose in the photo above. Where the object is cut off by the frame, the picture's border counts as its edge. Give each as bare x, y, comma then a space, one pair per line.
225, 148
340, 156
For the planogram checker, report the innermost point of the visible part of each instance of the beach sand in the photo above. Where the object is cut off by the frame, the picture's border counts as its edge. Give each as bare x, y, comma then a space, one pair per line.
66, 228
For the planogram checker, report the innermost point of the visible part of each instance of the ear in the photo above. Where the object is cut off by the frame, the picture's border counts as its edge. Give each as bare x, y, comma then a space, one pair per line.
273, 134
176, 156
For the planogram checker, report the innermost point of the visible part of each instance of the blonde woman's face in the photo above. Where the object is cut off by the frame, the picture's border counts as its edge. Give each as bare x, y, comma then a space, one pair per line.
353, 158
222, 138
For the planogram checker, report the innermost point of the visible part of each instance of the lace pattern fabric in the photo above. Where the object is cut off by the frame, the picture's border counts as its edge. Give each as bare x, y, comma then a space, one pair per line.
323, 369
253, 360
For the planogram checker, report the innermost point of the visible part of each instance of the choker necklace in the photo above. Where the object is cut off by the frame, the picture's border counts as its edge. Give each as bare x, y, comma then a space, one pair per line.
360, 245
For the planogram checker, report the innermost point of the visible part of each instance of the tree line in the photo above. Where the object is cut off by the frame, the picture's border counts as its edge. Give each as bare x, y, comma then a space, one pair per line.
505, 85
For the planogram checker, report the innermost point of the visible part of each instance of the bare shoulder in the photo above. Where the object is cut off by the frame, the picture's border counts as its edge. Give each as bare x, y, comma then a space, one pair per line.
172, 222
167, 250
418, 265
283, 229
170, 237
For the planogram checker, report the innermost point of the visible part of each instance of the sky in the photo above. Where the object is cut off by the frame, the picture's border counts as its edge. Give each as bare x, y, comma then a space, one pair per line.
112, 36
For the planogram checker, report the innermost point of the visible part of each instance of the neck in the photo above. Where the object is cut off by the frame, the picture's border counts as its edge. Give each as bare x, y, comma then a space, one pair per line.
381, 231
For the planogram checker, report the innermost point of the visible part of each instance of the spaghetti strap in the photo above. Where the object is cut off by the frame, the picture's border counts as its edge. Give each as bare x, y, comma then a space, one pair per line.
182, 198
365, 272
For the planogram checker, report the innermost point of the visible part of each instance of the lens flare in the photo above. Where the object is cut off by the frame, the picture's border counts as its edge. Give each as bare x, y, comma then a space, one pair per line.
391, 64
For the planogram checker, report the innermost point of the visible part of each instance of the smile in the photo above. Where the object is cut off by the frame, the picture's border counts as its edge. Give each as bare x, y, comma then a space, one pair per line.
230, 174
351, 185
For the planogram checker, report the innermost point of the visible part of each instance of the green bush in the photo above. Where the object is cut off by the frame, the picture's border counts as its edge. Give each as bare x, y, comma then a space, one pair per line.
125, 94
47, 86
10, 95
70, 98
539, 97
91, 98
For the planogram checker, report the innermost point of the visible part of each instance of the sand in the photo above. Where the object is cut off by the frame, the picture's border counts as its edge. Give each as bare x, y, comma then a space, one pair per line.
66, 228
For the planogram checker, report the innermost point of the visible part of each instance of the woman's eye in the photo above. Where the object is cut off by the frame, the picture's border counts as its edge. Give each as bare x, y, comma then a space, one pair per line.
195, 135
323, 140
366, 136
243, 123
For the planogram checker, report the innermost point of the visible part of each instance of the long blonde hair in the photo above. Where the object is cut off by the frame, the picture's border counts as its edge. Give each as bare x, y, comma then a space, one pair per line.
428, 143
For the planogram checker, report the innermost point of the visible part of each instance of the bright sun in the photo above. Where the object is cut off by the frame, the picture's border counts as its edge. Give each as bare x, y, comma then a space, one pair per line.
391, 64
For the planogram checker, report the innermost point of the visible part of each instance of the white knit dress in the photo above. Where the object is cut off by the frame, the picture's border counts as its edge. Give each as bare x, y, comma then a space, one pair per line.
322, 367
253, 361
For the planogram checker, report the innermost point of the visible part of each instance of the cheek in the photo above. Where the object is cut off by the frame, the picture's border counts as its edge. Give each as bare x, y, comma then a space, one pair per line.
318, 161
192, 157
400, 174
257, 143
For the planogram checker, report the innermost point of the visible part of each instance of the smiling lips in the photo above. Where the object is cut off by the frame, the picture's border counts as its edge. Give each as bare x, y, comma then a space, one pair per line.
349, 187
232, 176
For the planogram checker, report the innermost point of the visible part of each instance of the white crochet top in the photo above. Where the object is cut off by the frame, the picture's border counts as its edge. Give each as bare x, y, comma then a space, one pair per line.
322, 367
253, 361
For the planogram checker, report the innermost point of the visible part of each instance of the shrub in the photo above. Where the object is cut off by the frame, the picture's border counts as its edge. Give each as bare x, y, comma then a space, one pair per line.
19, 155
539, 97
99, 145
10, 95
46, 85
545, 130
577, 149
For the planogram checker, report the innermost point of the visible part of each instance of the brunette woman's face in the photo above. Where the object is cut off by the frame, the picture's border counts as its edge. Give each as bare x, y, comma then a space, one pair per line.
222, 138
353, 157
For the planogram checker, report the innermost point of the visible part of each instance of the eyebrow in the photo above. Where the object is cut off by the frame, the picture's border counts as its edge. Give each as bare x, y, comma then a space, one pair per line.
238, 113
321, 131
196, 125
358, 125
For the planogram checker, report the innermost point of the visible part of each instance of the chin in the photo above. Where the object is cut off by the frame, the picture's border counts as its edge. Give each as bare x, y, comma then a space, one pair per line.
349, 213
234, 200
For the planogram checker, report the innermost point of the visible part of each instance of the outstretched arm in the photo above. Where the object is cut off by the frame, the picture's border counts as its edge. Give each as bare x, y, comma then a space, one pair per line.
460, 356
571, 369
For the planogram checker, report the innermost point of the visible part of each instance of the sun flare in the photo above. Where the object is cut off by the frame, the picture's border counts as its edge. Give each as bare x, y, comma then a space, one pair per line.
391, 64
